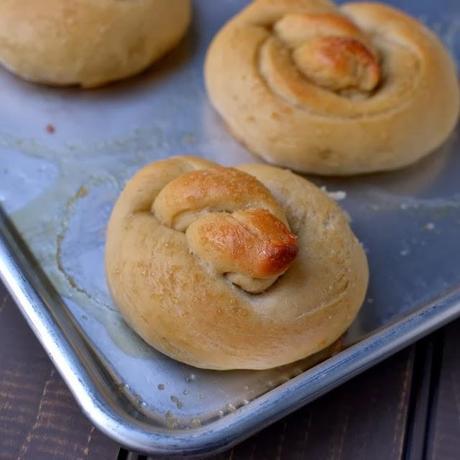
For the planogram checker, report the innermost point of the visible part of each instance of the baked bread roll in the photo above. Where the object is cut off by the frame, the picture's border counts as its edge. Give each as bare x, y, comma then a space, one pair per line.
87, 42
335, 91
224, 268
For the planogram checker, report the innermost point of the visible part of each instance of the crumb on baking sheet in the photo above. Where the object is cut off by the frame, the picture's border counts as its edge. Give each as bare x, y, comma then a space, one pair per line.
337, 195
176, 401
347, 216
81, 192
50, 129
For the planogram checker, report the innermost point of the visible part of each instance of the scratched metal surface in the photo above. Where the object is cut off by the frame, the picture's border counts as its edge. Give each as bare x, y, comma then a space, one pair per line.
65, 155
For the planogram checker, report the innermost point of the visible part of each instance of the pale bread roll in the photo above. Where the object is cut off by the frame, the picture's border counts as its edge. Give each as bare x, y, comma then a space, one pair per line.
222, 268
332, 90
87, 42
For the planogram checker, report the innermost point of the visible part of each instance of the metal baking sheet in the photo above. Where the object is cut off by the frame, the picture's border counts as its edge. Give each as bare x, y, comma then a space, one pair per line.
64, 157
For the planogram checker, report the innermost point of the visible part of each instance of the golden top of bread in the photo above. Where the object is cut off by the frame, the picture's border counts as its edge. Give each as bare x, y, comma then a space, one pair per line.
232, 222
330, 51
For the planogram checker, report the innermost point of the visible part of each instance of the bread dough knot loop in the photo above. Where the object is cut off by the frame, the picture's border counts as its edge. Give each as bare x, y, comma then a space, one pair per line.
330, 51
232, 222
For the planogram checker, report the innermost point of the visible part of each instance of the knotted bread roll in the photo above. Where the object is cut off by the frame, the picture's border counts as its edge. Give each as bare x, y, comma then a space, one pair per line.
87, 42
331, 90
232, 268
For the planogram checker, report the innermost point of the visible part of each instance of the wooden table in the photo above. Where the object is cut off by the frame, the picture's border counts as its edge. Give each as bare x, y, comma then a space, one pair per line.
407, 407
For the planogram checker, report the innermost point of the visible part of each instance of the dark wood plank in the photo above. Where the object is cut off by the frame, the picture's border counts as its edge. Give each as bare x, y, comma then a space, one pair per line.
443, 441
39, 418
423, 386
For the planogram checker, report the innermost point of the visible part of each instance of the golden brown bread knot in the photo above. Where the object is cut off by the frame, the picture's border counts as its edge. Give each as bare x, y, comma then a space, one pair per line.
232, 222
330, 51
335, 90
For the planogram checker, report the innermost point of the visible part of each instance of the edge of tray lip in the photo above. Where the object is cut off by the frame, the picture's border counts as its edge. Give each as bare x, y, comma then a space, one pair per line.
232, 428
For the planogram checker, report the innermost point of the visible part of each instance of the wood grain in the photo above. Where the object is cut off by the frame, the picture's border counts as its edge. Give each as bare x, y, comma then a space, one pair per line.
421, 395
443, 437
39, 418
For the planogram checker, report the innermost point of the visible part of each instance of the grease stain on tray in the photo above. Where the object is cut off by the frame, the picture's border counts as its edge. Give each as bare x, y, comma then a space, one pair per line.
81, 239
